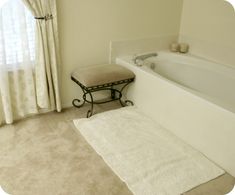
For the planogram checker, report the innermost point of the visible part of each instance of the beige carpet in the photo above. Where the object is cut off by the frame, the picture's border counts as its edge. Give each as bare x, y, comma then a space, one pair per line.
43, 155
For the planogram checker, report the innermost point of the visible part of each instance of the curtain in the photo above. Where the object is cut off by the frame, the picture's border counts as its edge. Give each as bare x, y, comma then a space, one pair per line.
17, 89
28, 64
47, 59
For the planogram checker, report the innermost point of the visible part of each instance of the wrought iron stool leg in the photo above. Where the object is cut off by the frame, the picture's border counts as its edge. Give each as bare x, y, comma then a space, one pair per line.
113, 94
90, 112
126, 102
129, 102
77, 103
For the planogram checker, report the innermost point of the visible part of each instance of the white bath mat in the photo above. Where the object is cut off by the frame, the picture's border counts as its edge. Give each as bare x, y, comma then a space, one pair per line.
150, 159
2, 192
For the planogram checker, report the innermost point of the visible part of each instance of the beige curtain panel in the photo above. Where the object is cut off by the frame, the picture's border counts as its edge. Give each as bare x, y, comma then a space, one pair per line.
28, 79
47, 59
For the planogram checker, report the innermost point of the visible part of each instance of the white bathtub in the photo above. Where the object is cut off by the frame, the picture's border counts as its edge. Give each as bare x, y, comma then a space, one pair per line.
192, 97
207, 79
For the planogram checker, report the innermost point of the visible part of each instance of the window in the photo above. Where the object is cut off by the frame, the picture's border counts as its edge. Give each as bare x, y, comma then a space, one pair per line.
17, 34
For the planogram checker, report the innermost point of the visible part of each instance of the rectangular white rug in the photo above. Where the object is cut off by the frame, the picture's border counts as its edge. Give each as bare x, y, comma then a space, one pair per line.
150, 159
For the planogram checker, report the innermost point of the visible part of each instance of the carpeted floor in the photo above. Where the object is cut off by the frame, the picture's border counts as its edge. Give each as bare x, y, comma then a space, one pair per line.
43, 155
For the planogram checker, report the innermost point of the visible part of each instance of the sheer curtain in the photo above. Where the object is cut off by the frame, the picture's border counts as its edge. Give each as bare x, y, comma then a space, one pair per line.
17, 60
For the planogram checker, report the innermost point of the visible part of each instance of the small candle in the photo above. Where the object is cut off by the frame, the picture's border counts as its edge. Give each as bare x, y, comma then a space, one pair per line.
184, 48
174, 47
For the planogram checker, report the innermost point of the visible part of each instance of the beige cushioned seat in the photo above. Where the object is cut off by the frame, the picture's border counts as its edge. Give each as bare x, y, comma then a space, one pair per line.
101, 74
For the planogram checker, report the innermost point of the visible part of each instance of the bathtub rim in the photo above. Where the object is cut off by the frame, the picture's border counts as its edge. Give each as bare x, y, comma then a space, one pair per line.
198, 61
128, 60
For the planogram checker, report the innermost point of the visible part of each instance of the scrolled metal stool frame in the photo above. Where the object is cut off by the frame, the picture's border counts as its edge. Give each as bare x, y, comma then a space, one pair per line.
105, 87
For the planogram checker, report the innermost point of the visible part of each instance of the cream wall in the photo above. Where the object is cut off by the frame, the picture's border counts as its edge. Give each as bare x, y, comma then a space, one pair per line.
86, 28
209, 27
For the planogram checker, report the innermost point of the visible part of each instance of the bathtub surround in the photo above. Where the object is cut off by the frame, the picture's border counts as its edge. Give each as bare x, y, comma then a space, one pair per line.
136, 46
209, 28
207, 126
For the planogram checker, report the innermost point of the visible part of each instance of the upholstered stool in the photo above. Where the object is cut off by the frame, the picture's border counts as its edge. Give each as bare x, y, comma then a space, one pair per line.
99, 78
